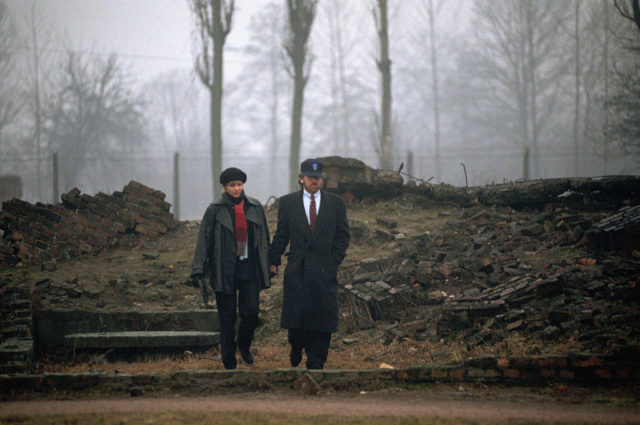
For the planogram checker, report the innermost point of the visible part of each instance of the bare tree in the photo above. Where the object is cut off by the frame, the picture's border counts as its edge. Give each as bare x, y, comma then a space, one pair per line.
9, 104
577, 75
342, 30
629, 9
605, 74
593, 76
383, 62
435, 87
301, 16
39, 39
430, 13
213, 24
624, 124
173, 104
94, 112
334, 14
337, 94
520, 62
262, 101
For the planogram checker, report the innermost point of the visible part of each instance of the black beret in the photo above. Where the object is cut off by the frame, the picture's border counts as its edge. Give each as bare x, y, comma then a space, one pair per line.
231, 174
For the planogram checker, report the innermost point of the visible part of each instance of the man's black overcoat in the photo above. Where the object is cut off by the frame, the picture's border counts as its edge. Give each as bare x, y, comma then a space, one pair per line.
310, 296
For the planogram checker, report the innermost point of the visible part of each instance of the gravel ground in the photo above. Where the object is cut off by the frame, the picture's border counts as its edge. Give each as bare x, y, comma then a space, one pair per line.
490, 404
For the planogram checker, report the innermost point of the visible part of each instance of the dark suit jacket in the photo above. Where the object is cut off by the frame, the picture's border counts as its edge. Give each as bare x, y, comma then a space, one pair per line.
310, 295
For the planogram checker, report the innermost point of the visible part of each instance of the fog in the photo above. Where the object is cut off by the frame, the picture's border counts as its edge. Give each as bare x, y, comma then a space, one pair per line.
521, 89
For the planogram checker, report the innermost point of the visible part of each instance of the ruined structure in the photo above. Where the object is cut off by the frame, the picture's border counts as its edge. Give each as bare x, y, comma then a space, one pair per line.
487, 270
43, 234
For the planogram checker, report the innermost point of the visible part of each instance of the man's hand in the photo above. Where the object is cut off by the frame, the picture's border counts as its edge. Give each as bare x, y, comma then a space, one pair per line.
195, 280
274, 270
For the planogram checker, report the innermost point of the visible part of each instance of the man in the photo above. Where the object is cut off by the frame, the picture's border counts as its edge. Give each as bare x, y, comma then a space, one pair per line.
314, 223
232, 254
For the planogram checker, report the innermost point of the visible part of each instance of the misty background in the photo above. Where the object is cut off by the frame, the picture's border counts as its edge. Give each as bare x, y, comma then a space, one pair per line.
482, 92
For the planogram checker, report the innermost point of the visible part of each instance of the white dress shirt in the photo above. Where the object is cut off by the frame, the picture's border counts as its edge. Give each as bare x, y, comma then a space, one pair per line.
306, 200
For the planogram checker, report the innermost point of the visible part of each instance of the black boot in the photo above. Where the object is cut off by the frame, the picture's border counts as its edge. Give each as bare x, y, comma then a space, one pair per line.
247, 357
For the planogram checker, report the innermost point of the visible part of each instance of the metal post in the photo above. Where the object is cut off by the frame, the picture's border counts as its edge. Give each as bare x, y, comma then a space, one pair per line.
176, 186
410, 163
56, 183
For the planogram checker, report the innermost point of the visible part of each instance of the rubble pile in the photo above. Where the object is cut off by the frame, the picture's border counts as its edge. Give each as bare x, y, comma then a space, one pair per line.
492, 272
619, 231
547, 259
609, 192
353, 179
41, 234
16, 340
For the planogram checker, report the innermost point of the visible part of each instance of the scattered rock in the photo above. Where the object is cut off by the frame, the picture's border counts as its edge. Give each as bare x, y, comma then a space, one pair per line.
307, 385
136, 392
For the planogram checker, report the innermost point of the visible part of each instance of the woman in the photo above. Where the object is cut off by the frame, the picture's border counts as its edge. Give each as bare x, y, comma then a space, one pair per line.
232, 256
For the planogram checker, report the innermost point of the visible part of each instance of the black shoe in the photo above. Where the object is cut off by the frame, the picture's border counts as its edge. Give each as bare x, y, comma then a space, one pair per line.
295, 357
230, 363
247, 357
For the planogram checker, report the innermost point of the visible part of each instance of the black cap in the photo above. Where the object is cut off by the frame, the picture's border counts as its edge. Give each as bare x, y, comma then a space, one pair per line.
231, 174
311, 167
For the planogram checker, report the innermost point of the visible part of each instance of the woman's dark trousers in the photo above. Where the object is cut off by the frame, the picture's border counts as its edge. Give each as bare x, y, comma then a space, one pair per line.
244, 300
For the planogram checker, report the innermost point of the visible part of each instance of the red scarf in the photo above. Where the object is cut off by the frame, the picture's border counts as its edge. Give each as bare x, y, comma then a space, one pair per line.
241, 229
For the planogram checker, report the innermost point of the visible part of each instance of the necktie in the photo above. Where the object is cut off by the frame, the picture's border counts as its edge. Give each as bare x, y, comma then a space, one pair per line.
312, 213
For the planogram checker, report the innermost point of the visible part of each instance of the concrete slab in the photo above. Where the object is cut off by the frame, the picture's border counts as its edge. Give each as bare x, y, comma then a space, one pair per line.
143, 339
51, 326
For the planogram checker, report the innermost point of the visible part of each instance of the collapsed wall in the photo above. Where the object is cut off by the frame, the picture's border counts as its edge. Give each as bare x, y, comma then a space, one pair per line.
357, 182
41, 234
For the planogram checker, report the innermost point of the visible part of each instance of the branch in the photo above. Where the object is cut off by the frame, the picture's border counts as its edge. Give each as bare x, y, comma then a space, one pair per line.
228, 15
633, 14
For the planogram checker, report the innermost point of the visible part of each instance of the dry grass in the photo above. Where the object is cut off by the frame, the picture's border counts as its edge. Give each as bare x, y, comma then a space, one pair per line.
359, 355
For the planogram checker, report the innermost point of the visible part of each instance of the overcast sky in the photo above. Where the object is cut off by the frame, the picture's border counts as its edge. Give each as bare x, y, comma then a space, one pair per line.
151, 36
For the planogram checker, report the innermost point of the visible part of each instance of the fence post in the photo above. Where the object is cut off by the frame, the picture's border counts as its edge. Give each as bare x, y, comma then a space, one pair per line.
56, 184
176, 185
410, 163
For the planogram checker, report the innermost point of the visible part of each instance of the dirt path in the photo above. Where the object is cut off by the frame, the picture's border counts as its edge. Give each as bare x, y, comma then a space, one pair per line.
403, 404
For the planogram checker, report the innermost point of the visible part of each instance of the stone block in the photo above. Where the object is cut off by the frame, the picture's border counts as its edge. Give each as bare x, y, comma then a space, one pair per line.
567, 374
457, 374
387, 222
143, 339
547, 373
511, 373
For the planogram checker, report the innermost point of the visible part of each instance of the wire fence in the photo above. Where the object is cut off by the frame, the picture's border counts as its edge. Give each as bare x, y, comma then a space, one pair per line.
268, 175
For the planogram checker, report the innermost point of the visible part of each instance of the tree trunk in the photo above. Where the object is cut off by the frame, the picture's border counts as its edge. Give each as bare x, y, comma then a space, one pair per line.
36, 98
576, 111
525, 163
301, 15
216, 98
522, 93
333, 52
605, 76
296, 126
435, 88
384, 65
213, 29
275, 96
532, 65
344, 98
